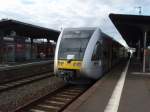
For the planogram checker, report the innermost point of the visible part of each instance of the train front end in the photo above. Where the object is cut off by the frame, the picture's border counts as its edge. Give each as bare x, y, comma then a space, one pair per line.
69, 54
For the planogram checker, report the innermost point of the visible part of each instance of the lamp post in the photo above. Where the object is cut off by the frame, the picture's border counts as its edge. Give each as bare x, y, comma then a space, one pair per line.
140, 9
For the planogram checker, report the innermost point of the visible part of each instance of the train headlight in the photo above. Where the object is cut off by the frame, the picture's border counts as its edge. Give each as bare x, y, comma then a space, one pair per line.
78, 64
60, 63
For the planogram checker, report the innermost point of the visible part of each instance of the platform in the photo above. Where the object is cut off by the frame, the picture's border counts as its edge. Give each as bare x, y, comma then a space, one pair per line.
21, 64
101, 97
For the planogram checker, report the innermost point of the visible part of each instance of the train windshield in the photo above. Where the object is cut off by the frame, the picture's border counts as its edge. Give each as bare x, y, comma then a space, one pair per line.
73, 44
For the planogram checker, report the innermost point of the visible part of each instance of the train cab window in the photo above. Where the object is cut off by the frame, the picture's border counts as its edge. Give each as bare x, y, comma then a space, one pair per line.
74, 42
97, 52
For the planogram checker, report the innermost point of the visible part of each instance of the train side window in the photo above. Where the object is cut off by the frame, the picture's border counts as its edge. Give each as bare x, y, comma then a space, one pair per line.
97, 52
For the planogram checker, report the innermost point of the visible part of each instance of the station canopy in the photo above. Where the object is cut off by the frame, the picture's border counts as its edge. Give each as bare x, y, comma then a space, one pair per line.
28, 30
132, 27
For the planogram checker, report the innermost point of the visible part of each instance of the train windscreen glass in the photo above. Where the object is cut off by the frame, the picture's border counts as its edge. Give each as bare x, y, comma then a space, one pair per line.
73, 44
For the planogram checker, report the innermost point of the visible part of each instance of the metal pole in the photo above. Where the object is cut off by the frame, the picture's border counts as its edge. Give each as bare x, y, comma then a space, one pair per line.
140, 9
144, 48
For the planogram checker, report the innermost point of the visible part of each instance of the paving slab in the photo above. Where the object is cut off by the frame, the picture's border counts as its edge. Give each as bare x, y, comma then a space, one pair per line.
136, 92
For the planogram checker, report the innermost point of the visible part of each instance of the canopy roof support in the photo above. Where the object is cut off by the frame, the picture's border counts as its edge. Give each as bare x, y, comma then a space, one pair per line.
144, 53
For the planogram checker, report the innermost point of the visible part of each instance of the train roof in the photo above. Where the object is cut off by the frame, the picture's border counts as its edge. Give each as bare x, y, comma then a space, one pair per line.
117, 42
93, 28
80, 28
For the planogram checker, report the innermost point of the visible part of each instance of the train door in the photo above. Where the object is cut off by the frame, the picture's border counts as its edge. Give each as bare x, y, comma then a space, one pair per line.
106, 54
96, 59
105, 57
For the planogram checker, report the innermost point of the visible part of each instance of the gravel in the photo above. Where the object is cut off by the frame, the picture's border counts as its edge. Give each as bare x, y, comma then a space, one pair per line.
12, 99
24, 70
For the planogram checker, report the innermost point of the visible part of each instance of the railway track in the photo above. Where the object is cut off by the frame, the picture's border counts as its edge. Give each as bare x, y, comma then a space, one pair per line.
56, 101
13, 84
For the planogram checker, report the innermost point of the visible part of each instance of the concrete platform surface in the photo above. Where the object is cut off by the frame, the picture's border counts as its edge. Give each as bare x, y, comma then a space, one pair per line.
135, 95
136, 92
97, 97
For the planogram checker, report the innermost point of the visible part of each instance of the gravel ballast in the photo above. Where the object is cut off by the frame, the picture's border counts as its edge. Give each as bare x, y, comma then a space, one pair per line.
12, 99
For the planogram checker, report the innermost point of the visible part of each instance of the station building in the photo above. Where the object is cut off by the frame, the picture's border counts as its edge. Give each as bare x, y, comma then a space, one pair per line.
23, 42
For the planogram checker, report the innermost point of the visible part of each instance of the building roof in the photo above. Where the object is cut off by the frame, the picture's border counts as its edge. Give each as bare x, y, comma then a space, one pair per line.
28, 30
132, 27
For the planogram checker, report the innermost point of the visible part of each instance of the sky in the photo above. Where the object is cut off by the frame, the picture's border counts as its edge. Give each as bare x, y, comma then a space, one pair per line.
57, 14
